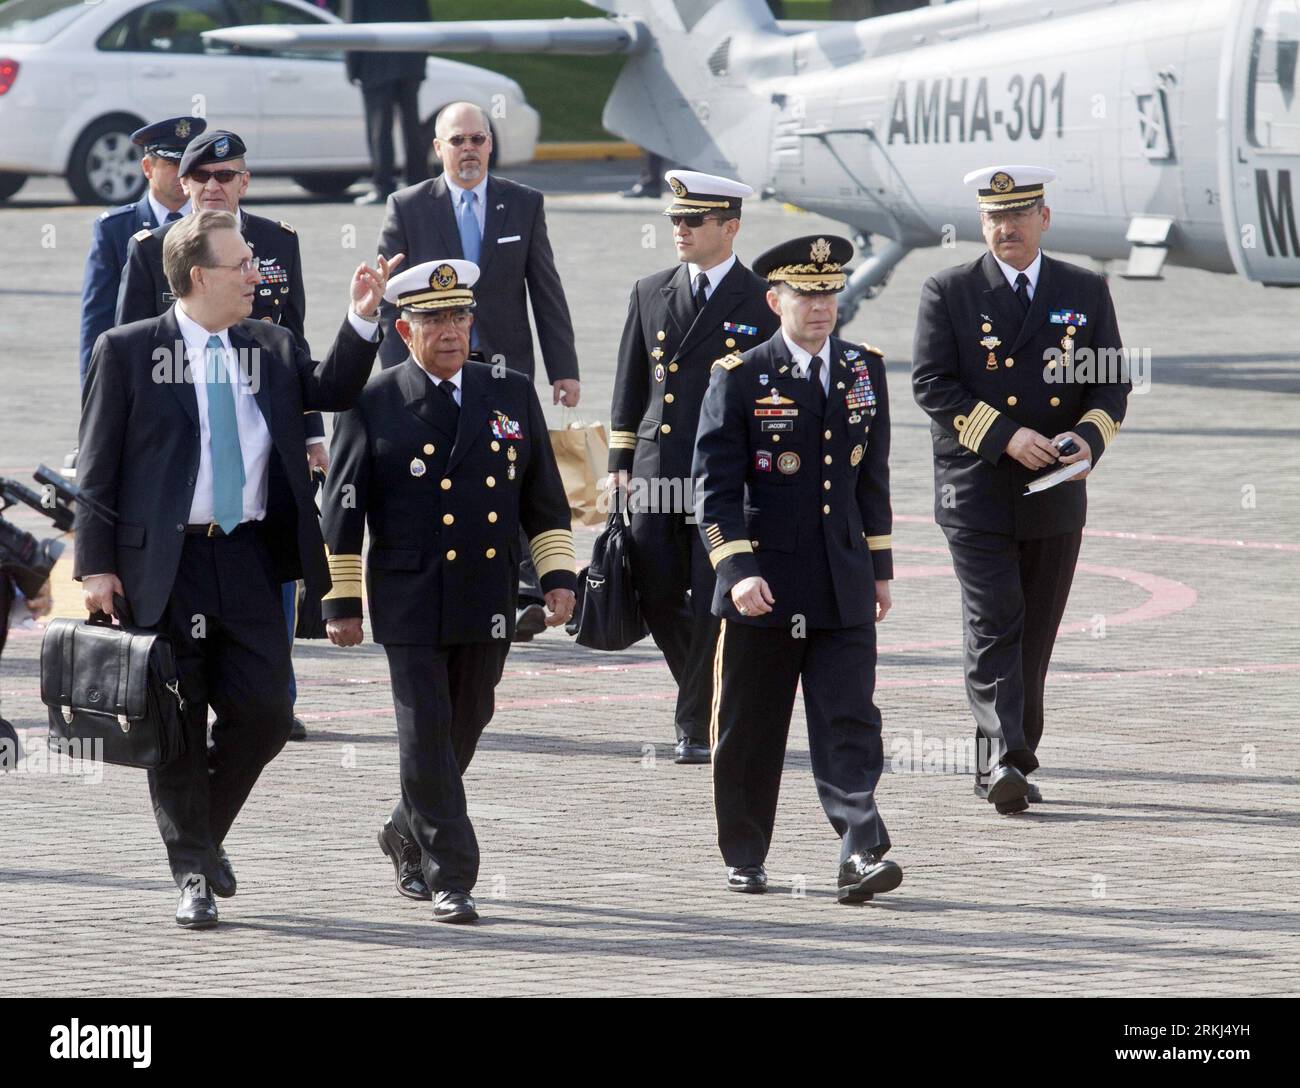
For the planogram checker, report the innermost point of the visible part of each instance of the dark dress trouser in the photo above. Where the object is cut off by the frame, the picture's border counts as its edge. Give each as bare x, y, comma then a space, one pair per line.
756, 673
1013, 595
668, 560
380, 100
226, 624
443, 697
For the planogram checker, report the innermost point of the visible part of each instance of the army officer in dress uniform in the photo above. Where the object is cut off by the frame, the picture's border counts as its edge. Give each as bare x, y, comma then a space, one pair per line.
1014, 356
445, 460
678, 322
792, 498
163, 144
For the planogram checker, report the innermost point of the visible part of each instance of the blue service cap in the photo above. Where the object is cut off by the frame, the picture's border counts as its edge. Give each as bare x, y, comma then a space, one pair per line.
168, 139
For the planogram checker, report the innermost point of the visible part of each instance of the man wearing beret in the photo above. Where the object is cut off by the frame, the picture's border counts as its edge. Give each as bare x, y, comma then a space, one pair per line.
445, 461
1016, 362
164, 201
215, 174
792, 499
679, 321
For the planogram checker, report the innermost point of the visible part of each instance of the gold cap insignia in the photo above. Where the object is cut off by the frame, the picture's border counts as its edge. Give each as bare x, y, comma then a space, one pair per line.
443, 277
1002, 183
821, 251
677, 187
182, 129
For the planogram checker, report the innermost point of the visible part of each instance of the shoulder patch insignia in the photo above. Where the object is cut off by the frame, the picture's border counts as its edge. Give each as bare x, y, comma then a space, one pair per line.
285, 226
873, 350
142, 234
729, 362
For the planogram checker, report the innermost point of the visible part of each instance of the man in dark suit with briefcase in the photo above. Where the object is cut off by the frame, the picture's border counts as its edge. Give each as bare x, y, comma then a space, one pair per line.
192, 434
679, 321
1015, 354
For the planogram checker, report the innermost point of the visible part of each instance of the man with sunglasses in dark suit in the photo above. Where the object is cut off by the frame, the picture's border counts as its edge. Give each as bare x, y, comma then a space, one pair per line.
500, 226
679, 321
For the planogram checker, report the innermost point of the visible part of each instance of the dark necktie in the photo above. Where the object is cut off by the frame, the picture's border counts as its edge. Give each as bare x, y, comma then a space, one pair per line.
1022, 291
448, 390
701, 285
172, 217
815, 370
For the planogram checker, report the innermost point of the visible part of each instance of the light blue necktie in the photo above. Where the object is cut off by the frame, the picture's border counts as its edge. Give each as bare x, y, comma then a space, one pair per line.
471, 238
223, 431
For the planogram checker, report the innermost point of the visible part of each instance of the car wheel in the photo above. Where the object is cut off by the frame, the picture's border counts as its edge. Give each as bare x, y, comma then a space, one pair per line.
10, 184
104, 167
326, 184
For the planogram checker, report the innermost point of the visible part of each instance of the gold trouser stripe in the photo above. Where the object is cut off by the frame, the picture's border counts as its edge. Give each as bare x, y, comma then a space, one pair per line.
879, 543
716, 709
1102, 420
622, 440
981, 418
736, 547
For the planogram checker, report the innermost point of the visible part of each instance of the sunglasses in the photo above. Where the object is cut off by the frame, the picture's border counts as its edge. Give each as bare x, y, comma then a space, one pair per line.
692, 221
224, 177
478, 139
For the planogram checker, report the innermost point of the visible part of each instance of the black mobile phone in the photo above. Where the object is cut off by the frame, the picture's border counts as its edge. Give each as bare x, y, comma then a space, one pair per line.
1068, 447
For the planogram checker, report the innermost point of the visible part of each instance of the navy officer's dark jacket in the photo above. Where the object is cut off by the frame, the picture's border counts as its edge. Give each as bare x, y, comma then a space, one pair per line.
140, 450
109, 239
664, 360
444, 494
278, 299
982, 369
793, 493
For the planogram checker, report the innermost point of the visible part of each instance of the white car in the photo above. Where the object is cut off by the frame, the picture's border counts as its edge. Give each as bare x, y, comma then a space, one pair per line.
76, 78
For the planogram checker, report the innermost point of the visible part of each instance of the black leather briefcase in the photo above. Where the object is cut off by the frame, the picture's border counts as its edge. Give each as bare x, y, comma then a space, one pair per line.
112, 690
609, 616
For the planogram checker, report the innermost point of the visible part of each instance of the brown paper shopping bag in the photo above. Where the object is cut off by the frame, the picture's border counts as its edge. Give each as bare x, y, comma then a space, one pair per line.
581, 451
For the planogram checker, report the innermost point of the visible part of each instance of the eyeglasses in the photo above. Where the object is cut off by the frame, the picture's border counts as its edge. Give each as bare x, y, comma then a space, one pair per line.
224, 177
692, 221
458, 319
245, 266
478, 139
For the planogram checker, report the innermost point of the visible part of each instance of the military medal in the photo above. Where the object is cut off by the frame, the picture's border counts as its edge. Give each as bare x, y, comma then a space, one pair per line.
659, 371
856, 455
991, 363
417, 467
763, 379
511, 456
788, 463
855, 418
658, 353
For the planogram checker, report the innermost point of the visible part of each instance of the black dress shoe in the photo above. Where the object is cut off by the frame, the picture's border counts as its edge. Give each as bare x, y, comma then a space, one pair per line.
405, 856
222, 881
864, 875
297, 731
1007, 789
197, 909
454, 907
747, 878
692, 750
1034, 795
530, 621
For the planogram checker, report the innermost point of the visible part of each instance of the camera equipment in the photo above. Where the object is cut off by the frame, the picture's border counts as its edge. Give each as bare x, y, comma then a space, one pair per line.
23, 557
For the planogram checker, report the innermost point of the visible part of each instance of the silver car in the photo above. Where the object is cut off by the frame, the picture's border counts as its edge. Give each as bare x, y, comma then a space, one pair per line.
76, 78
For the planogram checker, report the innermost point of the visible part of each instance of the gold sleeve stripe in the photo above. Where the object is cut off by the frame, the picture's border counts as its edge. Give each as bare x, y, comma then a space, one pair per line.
342, 589
880, 543
553, 550
736, 547
1103, 422
622, 440
981, 418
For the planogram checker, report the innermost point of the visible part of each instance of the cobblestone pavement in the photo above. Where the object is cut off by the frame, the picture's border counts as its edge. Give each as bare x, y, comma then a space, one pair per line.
1163, 861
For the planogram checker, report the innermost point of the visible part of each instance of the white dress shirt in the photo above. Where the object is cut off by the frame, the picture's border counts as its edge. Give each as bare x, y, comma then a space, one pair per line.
715, 275
1032, 272
802, 368
455, 380
161, 213
254, 436
480, 202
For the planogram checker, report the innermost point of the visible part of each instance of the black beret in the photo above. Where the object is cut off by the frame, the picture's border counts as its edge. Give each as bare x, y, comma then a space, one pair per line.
216, 146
